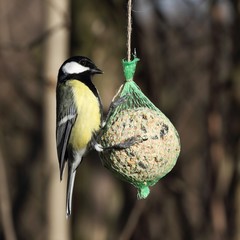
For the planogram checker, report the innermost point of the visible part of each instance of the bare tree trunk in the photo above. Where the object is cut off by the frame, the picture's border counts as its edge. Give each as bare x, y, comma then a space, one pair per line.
5, 203
235, 121
56, 50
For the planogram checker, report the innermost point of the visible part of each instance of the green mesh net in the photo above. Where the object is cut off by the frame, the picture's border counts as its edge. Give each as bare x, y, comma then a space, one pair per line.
157, 145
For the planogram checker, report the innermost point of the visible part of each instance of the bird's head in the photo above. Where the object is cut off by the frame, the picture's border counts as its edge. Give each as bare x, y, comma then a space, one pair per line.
77, 67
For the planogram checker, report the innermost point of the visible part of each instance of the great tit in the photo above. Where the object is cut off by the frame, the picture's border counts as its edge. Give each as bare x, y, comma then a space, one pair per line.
79, 116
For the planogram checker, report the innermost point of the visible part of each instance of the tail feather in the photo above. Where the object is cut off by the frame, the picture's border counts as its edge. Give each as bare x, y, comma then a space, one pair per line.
70, 184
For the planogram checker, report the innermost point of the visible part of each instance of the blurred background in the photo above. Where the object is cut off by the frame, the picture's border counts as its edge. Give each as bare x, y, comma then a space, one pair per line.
189, 68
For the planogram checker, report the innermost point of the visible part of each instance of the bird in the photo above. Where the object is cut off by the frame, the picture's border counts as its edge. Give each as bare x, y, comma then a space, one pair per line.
79, 116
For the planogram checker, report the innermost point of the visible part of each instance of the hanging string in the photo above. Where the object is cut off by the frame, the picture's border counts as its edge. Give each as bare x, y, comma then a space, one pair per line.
129, 66
129, 30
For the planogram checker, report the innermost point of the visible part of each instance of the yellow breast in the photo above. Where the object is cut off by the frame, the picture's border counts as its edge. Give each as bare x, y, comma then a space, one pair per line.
89, 115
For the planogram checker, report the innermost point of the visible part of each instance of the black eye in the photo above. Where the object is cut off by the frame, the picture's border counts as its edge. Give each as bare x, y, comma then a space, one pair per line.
84, 63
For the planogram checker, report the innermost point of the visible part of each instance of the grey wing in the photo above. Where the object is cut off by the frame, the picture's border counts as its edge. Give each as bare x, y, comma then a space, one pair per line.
66, 117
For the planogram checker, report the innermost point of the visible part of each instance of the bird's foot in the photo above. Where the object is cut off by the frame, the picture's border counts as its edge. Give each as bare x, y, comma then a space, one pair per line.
119, 146
114, 104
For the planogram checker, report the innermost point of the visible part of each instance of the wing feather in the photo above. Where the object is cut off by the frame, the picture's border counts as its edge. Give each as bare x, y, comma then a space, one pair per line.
63, 134
66, 117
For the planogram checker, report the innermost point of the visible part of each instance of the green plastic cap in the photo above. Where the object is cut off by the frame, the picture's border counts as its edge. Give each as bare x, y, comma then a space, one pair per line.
129, 68
143, 192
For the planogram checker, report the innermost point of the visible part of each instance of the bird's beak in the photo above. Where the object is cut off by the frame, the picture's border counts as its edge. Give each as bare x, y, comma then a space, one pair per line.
96, 71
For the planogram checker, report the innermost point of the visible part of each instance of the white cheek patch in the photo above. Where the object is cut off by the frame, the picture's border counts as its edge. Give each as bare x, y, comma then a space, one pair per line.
74, 68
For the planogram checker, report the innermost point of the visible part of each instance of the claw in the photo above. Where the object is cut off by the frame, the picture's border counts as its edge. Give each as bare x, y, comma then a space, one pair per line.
115, 104
119, 101
124, 145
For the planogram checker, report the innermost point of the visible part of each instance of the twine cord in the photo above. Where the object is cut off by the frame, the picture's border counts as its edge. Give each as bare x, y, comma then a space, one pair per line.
129, 66
129, 30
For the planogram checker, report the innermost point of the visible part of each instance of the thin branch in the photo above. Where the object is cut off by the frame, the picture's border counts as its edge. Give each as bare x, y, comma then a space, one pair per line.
133, 220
